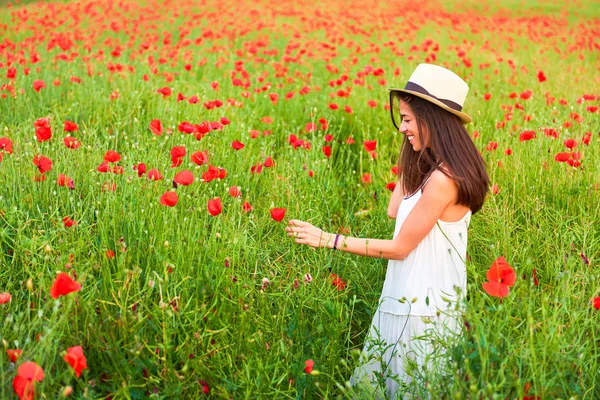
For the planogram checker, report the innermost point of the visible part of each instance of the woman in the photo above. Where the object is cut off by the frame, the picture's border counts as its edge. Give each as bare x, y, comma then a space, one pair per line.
442, 181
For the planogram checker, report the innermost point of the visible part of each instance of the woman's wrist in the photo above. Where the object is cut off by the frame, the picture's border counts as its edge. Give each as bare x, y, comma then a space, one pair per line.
327, 240
337, 242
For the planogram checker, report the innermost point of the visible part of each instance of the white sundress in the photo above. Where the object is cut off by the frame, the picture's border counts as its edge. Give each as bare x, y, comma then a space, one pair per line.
432, 279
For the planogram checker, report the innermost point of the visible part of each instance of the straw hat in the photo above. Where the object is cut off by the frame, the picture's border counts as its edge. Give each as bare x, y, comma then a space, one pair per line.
439, 86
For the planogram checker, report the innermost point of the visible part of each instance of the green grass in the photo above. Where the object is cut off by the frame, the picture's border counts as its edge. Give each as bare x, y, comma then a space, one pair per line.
183, 300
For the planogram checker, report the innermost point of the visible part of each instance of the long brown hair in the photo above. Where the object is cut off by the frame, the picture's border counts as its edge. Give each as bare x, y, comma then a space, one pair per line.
448, 144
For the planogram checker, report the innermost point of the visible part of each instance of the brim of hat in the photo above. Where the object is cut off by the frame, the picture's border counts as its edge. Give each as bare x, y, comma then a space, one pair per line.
464, 118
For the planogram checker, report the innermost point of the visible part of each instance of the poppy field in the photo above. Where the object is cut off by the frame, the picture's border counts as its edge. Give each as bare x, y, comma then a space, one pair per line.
152, 152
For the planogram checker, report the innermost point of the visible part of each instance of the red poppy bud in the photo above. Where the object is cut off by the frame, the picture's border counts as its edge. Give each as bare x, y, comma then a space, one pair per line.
277, 213
236, 145
76, 359
309, 364
214, 206
5, 297
169, 199
156, 127
63, 285
234, 191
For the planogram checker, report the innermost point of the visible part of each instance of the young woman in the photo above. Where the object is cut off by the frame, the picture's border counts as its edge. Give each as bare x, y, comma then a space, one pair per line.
442, 182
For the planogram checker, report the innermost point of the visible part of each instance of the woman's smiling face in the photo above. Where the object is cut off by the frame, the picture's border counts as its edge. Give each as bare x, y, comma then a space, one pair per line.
409, 126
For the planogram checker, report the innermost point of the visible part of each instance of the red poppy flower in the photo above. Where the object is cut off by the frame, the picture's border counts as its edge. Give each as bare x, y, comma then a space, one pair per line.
184, 178
269, 162
156, 127
185, 127
140, 168
273, 97
562, 157
214, 206
487, 96
13, 355
246, 207
527, 135
6, 145
43, 132
176, 161
155, 175
5, 297
391, 186
333, 106
596, 303
112, 156
165, 91
309, 364
64, 180
199, 157
337, 282
38, 84
366, 178
110, 254
205, 388
103, 167
310, 127
370, 145
24, 383
326, 151
169, 199
277, 213
234, 191
500, 277
526, 95
237, 145
256, 169
76, 359
71, 142
70, 126
213, 173
63, 285
68, 222
570, 143
491, 146
177, 152
43, 163
541, 76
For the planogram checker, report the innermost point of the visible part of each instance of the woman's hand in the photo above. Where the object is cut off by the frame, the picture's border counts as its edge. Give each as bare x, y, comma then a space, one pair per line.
305, 233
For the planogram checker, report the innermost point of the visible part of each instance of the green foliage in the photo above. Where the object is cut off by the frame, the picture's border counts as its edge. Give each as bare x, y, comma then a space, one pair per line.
184, 299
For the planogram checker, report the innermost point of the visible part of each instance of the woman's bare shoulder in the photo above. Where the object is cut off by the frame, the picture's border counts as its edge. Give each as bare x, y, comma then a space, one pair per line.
441, 181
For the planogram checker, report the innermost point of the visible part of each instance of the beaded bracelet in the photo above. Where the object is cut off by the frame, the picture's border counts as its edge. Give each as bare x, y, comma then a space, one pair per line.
335, 241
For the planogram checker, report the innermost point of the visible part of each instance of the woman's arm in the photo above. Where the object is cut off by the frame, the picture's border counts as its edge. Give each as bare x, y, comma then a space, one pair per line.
439, 192
395, 200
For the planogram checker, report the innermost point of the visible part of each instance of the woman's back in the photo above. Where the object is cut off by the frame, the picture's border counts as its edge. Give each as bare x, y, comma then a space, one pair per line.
431, 272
